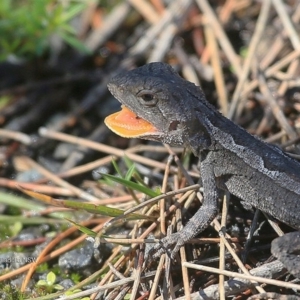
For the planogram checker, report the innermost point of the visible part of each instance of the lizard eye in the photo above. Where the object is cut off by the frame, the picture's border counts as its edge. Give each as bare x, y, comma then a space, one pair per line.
147, 97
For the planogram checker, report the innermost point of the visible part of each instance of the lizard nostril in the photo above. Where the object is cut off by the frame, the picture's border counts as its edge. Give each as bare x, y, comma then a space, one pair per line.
173, 125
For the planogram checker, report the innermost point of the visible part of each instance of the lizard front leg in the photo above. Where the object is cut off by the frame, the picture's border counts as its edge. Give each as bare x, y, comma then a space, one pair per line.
200, 221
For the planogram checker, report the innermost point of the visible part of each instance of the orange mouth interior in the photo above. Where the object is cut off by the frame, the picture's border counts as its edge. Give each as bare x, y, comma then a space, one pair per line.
127, 124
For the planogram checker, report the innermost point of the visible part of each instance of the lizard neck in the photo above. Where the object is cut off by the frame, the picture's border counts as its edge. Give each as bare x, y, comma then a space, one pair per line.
200, 136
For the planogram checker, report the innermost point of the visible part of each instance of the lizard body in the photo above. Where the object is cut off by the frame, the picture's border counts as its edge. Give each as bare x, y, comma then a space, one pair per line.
176, 112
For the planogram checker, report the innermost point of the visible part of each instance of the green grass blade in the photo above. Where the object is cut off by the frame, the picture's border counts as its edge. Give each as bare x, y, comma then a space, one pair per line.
132, 185
116, 167
130, 172
84, 229
20, 202
102, 210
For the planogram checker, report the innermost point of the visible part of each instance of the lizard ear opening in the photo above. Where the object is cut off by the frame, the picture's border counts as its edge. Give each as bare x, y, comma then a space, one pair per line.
127, 124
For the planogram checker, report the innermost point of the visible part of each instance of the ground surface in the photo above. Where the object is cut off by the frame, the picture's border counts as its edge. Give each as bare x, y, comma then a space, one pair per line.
246, 58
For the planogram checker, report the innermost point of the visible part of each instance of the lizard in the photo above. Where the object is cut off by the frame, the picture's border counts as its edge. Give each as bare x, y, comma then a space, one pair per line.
159, 105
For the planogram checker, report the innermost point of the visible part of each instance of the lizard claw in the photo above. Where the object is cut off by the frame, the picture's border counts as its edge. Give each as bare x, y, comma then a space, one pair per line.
169, 245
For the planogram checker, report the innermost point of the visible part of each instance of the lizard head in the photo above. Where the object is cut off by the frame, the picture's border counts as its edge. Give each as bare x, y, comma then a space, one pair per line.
155, 104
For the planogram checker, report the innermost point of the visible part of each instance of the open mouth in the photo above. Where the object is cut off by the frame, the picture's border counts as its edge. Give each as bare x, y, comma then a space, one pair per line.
127, 124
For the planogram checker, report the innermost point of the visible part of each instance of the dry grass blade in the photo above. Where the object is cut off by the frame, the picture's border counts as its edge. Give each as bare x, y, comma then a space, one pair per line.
45, 189
257, 36
87, 206
236, 285
157, 277
176, 9
106, 149
17, 136
138, 273
222, 246
243, 276
276, 109
111, 24
185, 273
220, 33
146, 10
217, 67
78, 192
286, 21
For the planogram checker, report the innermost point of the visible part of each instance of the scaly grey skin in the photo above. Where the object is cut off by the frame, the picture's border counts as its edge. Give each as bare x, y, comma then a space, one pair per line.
261, 175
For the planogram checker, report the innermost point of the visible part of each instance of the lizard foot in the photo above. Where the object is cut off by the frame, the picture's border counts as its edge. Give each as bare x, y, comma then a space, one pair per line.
169, 245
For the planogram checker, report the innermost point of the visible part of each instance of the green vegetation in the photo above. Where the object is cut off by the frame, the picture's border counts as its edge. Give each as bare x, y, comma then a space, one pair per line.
27, 26
10, 292
49, 284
